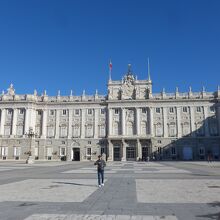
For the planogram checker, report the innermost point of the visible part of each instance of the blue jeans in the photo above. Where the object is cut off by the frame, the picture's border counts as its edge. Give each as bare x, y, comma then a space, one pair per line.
100, 176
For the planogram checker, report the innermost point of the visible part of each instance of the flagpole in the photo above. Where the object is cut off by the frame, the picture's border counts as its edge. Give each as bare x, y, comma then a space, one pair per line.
110, 70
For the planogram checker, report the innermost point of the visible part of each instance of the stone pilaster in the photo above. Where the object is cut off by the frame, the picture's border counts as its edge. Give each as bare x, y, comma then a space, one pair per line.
57, 124
96, 123
138, 121
192, 120
178, 118
83, 112
123, 121
14, 121
33, 118
110, 121
165, 128
27, 120
206, 121
152, 122
70, 132
44, 124
2, 130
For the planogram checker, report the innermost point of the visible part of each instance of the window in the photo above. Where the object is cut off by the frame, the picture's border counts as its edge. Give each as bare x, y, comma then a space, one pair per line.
50, 131
198, 109
76, 111
201, 151
76, 130
171, 110
63, 142
173, 150
102, 111
17, 151
116, 111
102, 130
89, 130
21, 111
62, 151
64, 111
184, 109
159, 141
20, 129
157, 110
51, 112
212, 109
89, 142
144, 110
39, 112
9, 111
89, 151
89, 111
116, 128
63, 131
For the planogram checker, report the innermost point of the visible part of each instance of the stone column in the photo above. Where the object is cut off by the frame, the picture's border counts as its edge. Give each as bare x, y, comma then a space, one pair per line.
33, 118
110, 151
192, 120
57, 131
14, 121
123, 145
123, 121
27, 120
44, 124
2, 130
83, 111
70, 132
138, 121
96, 123
178, 118
206, 118
109, 122
165, 129
139, 149
152, 122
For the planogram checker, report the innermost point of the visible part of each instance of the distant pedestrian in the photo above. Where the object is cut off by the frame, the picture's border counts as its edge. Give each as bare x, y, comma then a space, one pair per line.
100, 163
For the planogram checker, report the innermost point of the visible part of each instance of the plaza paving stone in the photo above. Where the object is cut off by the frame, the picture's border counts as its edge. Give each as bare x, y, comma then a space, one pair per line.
132, 190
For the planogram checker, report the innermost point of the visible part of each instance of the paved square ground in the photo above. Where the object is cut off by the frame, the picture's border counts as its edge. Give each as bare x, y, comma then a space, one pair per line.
132, 191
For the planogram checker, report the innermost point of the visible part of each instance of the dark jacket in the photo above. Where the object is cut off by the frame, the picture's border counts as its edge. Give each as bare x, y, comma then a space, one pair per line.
100, 165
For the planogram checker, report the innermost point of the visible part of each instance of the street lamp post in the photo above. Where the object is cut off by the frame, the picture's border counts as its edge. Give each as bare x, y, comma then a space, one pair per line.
30, 134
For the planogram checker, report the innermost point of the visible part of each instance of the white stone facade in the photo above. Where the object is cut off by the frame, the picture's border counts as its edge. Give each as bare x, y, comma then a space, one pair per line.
129, 123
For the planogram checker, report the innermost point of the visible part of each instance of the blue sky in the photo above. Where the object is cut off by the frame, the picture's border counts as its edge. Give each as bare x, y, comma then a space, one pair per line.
67, 44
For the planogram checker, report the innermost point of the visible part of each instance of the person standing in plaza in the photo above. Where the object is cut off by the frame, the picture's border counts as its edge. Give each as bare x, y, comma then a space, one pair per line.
100, 163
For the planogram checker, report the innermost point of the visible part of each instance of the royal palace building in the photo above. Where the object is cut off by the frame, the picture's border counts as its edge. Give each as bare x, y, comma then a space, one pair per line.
129, 123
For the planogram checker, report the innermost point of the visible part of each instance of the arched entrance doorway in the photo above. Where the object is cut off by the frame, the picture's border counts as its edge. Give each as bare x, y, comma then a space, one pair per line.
75, 151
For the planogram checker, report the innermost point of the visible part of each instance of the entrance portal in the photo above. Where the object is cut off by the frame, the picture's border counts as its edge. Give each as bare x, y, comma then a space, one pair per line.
131, 153
117, 154
145, 153
76, 154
